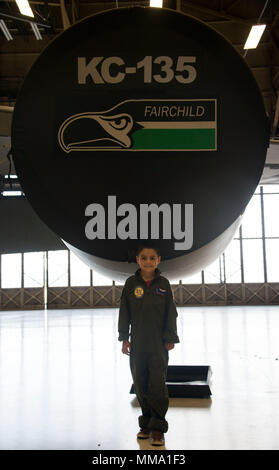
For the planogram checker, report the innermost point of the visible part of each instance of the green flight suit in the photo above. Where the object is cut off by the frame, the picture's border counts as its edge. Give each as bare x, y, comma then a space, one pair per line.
151, 313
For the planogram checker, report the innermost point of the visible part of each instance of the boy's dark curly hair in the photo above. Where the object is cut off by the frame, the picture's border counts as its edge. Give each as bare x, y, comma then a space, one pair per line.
147, 244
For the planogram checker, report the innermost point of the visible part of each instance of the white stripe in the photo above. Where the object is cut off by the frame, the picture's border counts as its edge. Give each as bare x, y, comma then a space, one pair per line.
178, 124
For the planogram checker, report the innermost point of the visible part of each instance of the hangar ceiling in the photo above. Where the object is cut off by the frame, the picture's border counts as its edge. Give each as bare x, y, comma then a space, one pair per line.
232, 18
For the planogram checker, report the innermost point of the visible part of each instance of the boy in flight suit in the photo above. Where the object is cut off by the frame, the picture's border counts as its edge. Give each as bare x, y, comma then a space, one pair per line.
147, 305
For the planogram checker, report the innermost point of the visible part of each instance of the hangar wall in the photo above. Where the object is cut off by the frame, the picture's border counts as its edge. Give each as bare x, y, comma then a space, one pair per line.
225, 283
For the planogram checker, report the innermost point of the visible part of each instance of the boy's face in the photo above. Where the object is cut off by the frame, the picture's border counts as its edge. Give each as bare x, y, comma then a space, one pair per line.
148, 260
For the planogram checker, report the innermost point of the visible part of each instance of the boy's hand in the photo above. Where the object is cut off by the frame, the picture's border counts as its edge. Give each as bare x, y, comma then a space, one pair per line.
126, 347
169, 346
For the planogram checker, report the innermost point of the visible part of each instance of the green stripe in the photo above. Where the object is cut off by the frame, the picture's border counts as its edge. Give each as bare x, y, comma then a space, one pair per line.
174, 139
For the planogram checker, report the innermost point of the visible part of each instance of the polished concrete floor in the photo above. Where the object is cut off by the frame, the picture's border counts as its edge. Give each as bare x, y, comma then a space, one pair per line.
64, 382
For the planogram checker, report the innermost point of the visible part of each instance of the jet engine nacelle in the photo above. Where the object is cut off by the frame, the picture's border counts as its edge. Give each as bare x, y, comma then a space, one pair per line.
140, 124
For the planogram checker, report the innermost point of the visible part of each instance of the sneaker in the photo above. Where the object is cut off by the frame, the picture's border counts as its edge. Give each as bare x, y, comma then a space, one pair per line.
143, 433
157, 438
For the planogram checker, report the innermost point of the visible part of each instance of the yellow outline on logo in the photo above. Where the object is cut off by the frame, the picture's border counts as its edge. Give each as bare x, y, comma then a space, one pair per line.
138, 292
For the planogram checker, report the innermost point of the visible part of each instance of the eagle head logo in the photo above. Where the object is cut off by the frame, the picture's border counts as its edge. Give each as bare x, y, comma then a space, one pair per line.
96, 131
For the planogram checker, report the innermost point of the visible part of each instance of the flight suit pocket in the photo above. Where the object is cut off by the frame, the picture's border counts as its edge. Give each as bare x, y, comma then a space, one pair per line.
135, 299
159, 301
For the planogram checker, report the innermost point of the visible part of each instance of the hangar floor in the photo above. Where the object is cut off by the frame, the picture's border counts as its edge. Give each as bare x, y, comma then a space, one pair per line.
65, 383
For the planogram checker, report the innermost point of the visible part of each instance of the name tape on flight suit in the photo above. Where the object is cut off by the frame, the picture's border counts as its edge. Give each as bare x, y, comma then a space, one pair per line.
160, 291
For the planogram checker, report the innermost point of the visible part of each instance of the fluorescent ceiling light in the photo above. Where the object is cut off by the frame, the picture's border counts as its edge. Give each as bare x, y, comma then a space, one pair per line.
156, 3
12, 193
254, 36
36, 31
24, 8
5, 30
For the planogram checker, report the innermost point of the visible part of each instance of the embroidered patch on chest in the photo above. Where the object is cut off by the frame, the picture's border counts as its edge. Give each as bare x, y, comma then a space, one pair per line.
138, 292
160, 291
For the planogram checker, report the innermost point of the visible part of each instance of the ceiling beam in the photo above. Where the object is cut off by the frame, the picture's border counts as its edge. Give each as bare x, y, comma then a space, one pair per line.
222, 14
25, 19
232, 5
